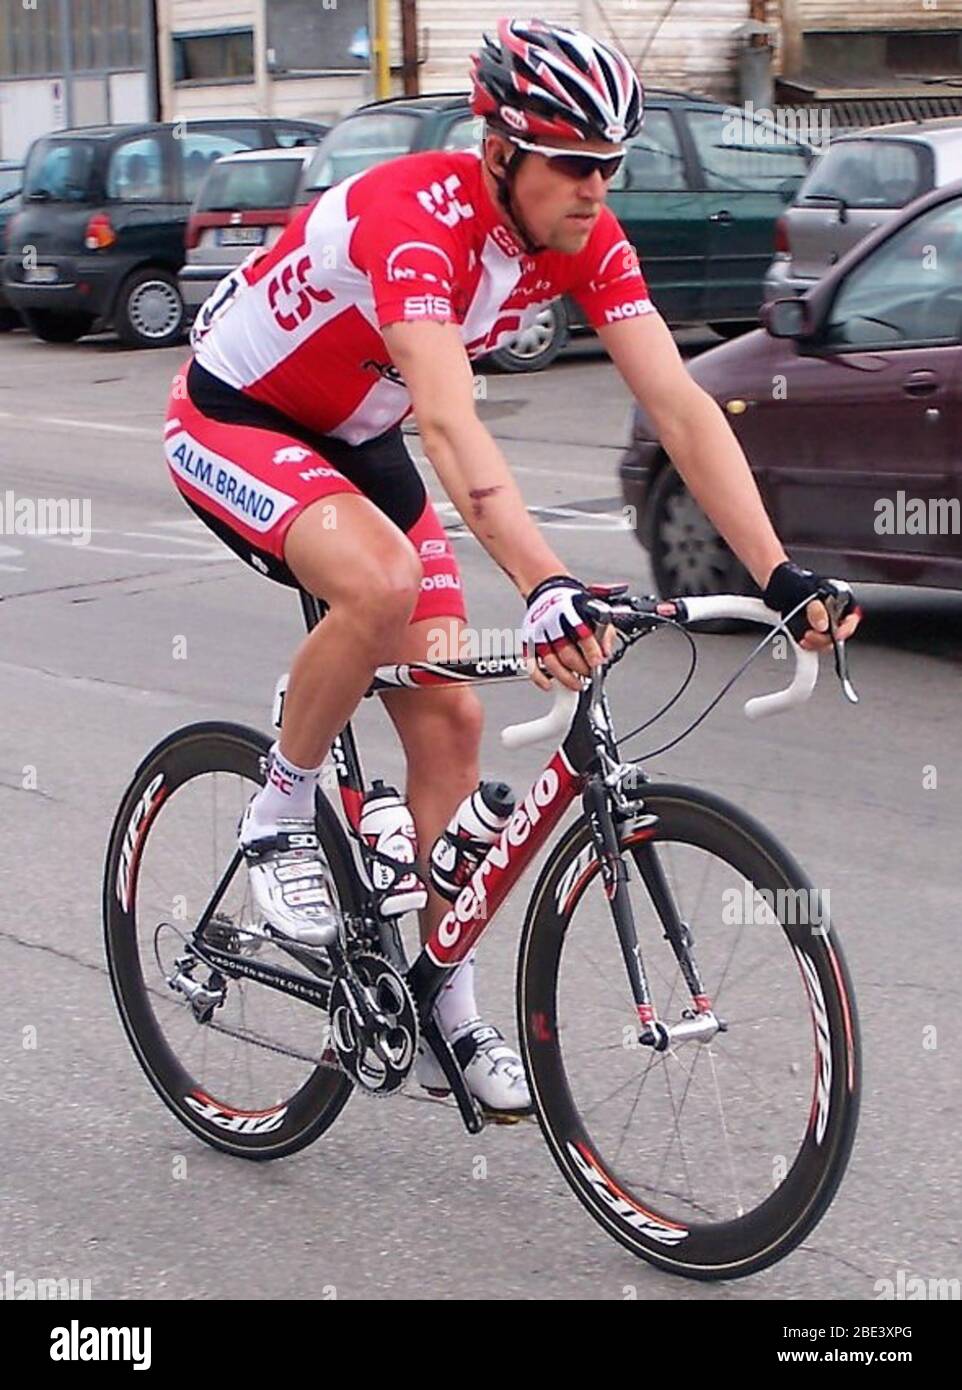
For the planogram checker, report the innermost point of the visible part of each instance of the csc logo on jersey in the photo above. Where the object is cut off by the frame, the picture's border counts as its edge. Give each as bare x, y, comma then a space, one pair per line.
441, 201
419, 260
290, 296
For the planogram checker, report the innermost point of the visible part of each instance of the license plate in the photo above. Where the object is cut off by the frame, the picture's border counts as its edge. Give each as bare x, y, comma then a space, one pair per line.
41, 274
241, 236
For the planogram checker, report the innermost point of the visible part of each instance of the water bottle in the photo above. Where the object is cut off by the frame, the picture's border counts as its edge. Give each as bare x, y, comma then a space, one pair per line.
473, 828
387, 827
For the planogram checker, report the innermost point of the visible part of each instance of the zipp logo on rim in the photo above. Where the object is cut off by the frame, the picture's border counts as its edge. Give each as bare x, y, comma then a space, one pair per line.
645, 1223
823, 1042
237, 1124
132, 837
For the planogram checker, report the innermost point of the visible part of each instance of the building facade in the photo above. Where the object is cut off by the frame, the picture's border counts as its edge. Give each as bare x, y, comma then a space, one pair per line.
73, 62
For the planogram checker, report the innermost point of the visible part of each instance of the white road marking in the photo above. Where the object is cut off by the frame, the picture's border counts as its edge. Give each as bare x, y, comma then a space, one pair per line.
139, 430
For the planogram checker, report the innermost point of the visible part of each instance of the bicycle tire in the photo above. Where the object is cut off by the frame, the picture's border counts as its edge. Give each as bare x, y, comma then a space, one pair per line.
707, 1251
187, 753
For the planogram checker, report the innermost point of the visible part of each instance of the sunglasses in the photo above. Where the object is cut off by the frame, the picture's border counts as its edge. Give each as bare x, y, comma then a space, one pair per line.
573, 164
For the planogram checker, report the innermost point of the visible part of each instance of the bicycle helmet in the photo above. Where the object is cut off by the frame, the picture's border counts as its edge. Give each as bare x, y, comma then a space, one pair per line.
542, 79
548, 80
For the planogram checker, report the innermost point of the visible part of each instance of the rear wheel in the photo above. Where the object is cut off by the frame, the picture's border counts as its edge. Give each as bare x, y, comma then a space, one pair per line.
9, 320
711, 1158
251, 1074
150, 311
53, 327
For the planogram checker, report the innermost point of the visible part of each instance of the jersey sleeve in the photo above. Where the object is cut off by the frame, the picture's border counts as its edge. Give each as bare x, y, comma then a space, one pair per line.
411, 259
610, 285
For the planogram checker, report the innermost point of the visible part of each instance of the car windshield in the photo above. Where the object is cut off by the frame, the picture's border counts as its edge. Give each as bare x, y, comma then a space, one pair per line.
11, 181
867, 174
60, 170
360, 142
240, 185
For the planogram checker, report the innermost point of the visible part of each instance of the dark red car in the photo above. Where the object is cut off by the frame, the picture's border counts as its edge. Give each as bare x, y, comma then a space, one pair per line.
848, 404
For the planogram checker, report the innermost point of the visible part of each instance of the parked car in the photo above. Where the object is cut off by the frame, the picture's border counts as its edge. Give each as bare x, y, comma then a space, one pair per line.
849, 409
861, 181
11, 181
99, 238
246, 200
698, 195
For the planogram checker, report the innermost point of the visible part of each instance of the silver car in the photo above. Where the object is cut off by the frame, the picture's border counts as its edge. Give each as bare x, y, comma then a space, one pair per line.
245, 201
860, 181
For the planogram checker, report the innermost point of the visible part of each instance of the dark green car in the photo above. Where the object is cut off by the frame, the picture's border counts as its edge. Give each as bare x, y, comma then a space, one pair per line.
698, 195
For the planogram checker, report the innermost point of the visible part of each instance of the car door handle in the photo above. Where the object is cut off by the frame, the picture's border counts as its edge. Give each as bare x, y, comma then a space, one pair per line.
724, 217
921, 384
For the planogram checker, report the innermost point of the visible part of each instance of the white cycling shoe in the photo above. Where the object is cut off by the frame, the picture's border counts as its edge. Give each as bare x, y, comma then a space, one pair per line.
290, 882
493, 1071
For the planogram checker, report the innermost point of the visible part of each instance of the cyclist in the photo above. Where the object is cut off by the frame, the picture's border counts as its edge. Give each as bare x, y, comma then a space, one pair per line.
284, 436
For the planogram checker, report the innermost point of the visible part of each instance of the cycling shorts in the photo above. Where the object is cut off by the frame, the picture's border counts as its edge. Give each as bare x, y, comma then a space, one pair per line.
248, 471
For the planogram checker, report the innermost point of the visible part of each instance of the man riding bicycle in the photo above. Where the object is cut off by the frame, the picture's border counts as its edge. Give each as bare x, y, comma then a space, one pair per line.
284, 436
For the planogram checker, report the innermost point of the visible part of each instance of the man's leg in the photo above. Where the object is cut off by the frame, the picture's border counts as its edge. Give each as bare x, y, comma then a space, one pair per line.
440, 730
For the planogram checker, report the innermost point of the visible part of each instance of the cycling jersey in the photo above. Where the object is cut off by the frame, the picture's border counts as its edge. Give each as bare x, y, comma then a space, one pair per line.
416, 238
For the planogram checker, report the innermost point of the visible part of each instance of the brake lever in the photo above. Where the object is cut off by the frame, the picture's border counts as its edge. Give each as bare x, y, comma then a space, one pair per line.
834, 605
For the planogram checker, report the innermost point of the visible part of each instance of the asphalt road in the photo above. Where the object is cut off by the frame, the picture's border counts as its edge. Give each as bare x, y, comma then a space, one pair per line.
99, 1181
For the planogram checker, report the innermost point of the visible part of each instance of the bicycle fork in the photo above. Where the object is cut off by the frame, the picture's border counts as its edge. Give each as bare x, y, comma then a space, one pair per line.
698, 1024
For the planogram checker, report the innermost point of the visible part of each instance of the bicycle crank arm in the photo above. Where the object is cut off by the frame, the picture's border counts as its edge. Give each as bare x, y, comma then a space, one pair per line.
471, 1112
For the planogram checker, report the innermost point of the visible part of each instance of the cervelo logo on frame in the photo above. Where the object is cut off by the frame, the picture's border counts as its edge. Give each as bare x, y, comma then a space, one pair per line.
471, 902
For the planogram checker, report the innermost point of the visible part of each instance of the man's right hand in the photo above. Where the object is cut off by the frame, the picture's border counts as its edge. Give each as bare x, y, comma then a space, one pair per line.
559, 632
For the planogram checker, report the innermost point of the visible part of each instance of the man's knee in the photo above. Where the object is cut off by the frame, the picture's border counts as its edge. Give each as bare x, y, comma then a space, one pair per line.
449, 732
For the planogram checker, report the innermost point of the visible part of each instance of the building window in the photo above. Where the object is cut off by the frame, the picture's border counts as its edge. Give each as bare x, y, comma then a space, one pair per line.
217, 55
30, 40
107, 34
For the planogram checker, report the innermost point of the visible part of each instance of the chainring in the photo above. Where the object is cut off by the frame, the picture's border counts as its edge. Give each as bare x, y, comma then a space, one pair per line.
377, 1057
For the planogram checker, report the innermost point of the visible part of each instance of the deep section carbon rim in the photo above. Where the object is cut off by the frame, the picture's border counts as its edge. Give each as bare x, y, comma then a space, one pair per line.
710, 1158
252, 1074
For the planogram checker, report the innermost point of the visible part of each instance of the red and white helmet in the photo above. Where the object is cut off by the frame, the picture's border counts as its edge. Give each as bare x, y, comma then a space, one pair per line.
549, 80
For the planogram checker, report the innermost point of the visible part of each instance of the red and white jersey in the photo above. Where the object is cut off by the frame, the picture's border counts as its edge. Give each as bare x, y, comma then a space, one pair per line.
298, 327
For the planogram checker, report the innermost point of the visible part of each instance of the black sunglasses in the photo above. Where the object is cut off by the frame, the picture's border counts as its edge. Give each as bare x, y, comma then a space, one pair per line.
573, 164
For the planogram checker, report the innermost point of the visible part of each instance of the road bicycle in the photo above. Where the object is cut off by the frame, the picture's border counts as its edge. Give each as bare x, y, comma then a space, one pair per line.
684, 1009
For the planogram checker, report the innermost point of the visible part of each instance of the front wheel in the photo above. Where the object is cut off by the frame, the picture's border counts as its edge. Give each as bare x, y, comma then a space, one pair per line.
244, 1067
710, 1157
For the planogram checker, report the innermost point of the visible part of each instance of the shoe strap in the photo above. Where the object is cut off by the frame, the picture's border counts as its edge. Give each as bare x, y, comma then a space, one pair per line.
281, 842
467, 1047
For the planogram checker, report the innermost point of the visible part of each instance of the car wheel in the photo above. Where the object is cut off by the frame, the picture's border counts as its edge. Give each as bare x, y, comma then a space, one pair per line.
733, 330
150, 312
9, 319
688, 556
57, 328
538, 345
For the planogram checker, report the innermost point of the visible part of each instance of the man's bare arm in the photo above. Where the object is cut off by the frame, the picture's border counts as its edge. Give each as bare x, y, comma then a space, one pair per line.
471, 467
